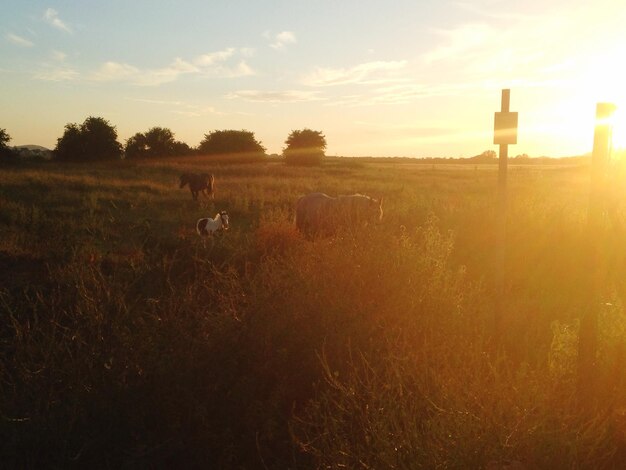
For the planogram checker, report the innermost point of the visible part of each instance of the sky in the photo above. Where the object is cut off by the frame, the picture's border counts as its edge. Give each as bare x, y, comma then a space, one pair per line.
410, 78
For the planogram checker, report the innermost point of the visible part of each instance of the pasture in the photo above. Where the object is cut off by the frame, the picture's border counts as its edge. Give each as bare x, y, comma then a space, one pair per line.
128, 340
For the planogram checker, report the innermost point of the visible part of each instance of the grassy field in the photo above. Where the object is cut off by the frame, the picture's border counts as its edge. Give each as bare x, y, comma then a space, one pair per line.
128, 341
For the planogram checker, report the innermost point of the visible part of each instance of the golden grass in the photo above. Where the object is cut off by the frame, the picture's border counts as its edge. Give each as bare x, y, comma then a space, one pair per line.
128, 340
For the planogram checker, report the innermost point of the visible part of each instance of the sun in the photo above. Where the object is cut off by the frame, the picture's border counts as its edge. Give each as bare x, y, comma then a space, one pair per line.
604, 82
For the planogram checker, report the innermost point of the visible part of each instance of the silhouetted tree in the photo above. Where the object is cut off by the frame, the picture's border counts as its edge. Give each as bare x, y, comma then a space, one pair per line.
181, 148
6, 152
156, 142
136, 146
229, 142
5, 138
305, 147
94, 139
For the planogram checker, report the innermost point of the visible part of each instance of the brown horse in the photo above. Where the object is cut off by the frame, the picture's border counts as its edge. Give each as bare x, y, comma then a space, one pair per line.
319, 214
204, 183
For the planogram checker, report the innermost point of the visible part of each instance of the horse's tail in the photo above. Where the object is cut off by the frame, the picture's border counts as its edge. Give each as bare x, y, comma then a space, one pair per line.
184, 179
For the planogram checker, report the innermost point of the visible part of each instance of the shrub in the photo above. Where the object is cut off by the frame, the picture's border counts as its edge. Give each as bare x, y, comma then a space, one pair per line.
231, 142
305, 147
94, 139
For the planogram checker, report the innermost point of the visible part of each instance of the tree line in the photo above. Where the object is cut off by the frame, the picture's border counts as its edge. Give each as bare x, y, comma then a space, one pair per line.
96, 139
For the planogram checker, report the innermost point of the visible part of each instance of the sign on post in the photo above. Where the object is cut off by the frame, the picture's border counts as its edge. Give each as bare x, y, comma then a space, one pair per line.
505, 133
505, 122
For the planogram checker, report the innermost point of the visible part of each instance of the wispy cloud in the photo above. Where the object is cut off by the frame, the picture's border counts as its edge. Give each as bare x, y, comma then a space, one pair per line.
113, 71
57, 74
281, 40
212, 58
18, 40
281, 96
378, 71
180, 108
460, 40
59, 56
51, 16
403, 93
214, 64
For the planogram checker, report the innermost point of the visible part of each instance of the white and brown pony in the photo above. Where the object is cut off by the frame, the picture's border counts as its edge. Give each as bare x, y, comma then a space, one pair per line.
204, 183
209, 226
318, 214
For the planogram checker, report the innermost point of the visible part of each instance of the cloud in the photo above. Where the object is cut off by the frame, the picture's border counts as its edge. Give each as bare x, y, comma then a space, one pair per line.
18, 40
58, 55
215, 64
180, 107
284, 96
369, 72
113, 71
206, 60
51, 17
58, 74
281, 40
223, 64
403, 93
460, 40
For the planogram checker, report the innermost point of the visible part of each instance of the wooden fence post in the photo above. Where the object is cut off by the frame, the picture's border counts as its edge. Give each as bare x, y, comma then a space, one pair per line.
505, 133
588, 331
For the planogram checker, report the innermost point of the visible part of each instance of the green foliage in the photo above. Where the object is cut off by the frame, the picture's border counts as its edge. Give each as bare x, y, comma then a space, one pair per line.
305, 147
156, 142
95, 139
231, 142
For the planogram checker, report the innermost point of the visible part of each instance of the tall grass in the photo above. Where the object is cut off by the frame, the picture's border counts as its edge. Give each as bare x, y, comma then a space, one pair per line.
126, 340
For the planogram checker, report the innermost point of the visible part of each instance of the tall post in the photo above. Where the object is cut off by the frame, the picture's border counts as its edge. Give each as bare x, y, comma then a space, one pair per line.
588, 332
503, 156
505, 133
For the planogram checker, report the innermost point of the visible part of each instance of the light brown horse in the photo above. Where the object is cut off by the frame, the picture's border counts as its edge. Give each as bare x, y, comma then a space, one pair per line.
204, 183
318, 214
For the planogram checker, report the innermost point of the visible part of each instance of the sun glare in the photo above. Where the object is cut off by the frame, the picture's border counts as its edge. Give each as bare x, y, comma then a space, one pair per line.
619, 128
605, 83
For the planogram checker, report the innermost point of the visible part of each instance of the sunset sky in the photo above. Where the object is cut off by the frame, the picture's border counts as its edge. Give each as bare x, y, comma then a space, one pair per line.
397, 78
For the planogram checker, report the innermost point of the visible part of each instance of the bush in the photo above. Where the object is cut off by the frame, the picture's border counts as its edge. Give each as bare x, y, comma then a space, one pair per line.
231, 143
156, 142
95, 139
305, 147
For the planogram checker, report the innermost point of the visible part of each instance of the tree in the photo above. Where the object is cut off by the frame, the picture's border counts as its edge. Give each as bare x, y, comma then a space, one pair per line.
5, 138
135, 146
305, 147
160, 142
229, 142
95, 139
156, 142
6, 152
181, 148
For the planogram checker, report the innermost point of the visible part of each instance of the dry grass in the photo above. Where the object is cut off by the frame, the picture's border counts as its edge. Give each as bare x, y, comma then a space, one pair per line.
126, 340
